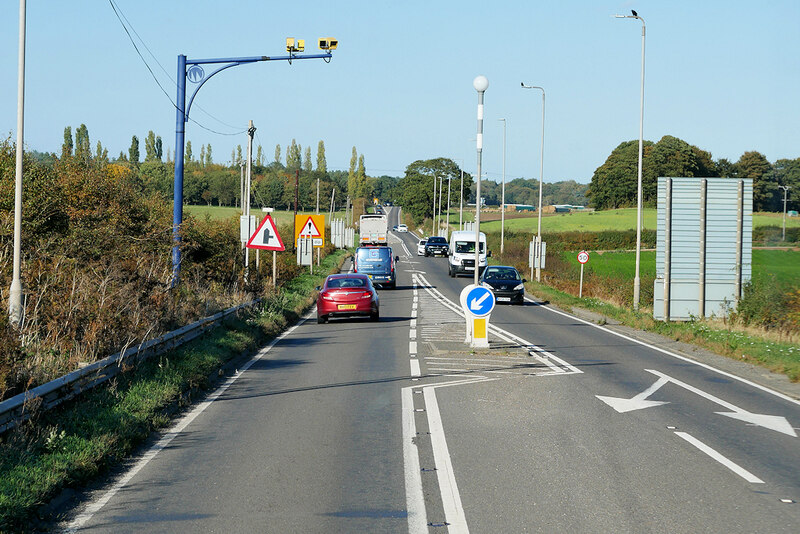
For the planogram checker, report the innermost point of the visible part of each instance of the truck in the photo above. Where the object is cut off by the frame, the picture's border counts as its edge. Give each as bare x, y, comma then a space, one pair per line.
373, 229
461, 253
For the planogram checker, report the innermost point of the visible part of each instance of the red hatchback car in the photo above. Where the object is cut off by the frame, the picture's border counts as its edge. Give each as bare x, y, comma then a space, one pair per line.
346, 295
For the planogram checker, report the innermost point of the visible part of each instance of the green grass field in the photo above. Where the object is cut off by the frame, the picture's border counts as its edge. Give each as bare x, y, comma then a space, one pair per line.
781, 265
595, 221
224, 212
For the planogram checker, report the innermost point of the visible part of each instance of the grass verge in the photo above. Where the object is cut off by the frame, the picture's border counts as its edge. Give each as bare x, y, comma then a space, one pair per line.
72, 444
716, 336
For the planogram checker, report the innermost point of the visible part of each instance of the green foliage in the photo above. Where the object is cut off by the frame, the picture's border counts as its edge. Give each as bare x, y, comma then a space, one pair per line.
133, 151
771, 235
765, 189
322, 164
66, 148
416, 187
307, 166
293, 156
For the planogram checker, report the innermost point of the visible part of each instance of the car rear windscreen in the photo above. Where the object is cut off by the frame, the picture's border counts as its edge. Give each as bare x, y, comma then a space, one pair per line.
374, 259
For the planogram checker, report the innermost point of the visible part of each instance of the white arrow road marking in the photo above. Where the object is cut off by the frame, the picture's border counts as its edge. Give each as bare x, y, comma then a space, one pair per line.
638, 402
771, 422
476, 303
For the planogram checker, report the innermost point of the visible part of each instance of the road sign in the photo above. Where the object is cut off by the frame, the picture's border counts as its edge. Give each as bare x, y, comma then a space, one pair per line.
266, 236
583, 256
480, 301
310, 227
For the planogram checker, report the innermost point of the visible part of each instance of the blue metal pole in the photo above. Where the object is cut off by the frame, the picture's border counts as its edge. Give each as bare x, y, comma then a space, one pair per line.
177, 209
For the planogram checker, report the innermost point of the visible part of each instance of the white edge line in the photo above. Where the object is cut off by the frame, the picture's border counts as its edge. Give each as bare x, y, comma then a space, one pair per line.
451, 499
742, 472
678, 356
415, 499
172, 433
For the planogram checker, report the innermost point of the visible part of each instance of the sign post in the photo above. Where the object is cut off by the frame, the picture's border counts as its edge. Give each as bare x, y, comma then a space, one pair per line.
583, 257
266, 238
478, 303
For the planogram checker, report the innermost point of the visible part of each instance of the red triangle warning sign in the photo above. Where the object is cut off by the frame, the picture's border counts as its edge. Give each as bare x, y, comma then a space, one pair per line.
266, 236
310, 229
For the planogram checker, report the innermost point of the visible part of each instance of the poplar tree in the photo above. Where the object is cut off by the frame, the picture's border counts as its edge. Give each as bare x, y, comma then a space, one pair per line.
307, 167
133, 151
66, 148
277, 153
83, 149
351, 175
187, 154
203, 155
150, 146
293, 156
209, 161
159, 148
361, 178
259, 156
322, 165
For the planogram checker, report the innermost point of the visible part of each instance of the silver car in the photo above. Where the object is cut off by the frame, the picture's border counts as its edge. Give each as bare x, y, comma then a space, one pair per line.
421, 247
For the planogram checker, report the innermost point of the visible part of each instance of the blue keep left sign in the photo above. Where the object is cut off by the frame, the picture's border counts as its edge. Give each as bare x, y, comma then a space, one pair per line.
480, 301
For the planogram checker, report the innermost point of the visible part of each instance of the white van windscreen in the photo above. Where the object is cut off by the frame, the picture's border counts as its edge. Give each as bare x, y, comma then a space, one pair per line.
465, 247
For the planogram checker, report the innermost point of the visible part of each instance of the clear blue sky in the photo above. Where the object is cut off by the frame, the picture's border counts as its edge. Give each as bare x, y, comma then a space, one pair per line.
722, 75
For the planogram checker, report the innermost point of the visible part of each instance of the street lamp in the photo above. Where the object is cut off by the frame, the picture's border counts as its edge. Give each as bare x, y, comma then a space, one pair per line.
636, 279
15, 309
503, 194
538, 243
481, 84
433, 214
785, 191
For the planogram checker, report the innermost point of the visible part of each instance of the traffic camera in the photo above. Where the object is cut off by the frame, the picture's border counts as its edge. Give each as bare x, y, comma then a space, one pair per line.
295, 45
328, 43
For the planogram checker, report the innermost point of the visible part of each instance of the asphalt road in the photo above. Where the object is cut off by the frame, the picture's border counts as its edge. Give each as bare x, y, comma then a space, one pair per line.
398, 426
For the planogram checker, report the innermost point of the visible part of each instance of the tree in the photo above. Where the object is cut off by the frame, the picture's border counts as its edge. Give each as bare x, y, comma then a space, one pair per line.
101, 155
203, 155
352, 184
239, 157
159, 148
187, 155
765, 187
83, 148
307, 167
150, 146
133, 152
415, 189
293, 158
322, 165
209, 161
66, 148
259, 156
277, 153
362, 191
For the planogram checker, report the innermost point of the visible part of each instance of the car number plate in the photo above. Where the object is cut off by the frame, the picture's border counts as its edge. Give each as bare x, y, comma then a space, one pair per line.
347, 306
503, 299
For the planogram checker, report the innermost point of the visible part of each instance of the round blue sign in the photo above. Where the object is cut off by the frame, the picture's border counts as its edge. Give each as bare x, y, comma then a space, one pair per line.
480, 301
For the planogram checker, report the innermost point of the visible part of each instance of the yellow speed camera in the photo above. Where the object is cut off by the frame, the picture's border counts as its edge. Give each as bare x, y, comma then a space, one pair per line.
328, 43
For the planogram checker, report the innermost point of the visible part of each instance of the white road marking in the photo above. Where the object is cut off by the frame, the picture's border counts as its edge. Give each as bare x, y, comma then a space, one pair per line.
672, 354
745, 474
412, 347
172, 433
415, 499
772, 422
638, 402
451, 499
412, 333
415, 368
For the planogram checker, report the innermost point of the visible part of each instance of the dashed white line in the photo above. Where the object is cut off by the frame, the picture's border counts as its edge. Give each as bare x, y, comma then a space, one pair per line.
745, 474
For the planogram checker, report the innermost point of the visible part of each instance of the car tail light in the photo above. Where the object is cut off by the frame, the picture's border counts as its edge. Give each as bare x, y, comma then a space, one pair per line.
367, 295
325, 296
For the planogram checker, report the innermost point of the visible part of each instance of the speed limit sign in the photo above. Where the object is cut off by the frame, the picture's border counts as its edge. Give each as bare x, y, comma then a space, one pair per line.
583, 256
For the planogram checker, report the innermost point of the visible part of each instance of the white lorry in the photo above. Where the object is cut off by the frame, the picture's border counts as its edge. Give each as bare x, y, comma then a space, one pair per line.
461, 253
373, 229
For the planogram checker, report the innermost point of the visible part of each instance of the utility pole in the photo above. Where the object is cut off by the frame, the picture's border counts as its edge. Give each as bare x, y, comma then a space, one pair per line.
251, 131
785, 191
433, 214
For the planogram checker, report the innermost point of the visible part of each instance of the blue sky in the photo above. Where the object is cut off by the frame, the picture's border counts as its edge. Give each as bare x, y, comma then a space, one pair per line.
722, 75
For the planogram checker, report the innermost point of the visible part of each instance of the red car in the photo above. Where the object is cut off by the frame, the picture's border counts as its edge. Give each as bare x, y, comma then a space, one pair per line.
346, 295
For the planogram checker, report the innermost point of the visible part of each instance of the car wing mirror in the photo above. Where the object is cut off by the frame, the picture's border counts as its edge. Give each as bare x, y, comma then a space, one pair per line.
489, 254
397, 258
318, 288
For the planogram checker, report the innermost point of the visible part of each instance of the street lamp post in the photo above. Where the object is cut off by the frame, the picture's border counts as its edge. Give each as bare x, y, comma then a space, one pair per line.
538, 242
192, 70
785, 191
503, 194
439, 215
15, 310
447, 225
636, 279
480, 83
433, 214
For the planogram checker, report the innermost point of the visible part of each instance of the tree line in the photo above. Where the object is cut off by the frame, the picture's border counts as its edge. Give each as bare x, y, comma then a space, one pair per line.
614, 183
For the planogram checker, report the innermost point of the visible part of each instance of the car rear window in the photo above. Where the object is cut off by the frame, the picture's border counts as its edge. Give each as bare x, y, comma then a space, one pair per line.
347, 282
501, 274
438, 240
373, 259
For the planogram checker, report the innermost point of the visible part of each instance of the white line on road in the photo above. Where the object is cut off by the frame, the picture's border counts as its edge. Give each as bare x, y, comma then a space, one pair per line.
172, 433
415, 499
745, 474
415, 368
668, 353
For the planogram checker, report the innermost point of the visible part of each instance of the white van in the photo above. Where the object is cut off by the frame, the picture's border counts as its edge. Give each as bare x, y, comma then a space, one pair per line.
461, 256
